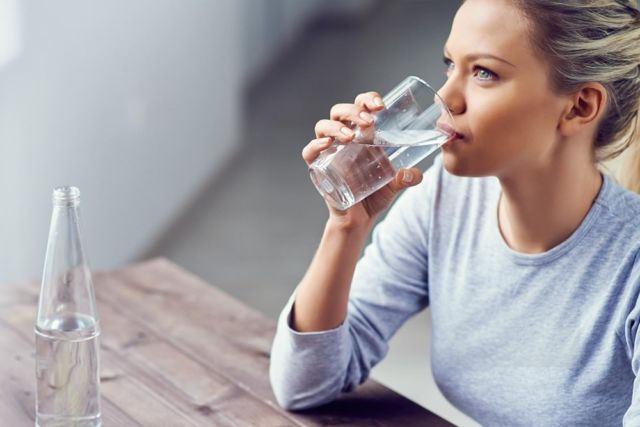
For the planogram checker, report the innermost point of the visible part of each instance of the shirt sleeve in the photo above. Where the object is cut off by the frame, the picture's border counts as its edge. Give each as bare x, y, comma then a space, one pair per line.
390, 284
632, 345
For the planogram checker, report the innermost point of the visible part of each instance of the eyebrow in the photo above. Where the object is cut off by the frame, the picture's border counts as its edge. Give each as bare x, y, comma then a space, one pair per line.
473, 56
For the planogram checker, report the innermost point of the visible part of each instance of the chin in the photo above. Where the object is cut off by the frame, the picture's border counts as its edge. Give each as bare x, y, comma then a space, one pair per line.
457, 165
454, 164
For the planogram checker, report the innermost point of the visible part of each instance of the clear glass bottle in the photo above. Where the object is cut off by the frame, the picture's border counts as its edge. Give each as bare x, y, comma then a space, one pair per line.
67, 327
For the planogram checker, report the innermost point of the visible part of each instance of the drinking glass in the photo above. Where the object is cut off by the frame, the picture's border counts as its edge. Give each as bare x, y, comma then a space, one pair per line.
414, 123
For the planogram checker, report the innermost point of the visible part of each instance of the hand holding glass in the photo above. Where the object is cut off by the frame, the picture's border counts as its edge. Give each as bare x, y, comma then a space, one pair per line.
403, 134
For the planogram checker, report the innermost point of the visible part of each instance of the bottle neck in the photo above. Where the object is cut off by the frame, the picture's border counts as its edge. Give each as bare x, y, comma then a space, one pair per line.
66, 197
67, 288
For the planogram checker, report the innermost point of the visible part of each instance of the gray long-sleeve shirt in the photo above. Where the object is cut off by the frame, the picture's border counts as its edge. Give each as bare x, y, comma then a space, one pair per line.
543, 339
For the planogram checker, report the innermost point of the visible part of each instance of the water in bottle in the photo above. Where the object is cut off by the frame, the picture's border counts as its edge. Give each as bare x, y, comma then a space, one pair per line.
67, 327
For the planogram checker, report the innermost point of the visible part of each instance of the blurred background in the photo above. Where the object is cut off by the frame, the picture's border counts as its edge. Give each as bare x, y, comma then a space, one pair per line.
182, 124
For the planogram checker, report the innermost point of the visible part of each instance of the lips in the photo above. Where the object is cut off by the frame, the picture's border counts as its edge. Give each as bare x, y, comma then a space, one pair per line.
450, 131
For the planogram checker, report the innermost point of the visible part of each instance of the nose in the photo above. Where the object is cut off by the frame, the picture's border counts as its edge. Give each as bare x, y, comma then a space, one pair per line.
453, 97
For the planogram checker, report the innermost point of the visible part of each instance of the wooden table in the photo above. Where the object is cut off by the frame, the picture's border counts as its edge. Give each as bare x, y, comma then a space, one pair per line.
176, 351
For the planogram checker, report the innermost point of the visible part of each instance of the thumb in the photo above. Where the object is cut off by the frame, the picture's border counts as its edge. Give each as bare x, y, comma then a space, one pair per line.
381, 200
405, 178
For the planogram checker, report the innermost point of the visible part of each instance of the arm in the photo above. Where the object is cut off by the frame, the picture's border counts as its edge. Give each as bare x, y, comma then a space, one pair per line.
389, 285
321, 301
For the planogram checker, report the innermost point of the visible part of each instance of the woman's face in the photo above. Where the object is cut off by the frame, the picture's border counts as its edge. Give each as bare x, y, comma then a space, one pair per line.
499, 92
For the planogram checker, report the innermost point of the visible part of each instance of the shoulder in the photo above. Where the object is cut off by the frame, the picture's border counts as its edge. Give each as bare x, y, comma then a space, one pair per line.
615, 242
621, 209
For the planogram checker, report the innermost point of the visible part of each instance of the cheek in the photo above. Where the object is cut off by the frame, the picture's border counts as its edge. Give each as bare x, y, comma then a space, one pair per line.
506, 128
510, 126
495, 119
513, 122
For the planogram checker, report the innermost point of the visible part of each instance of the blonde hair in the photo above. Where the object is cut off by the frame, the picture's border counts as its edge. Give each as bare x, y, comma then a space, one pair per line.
596, 41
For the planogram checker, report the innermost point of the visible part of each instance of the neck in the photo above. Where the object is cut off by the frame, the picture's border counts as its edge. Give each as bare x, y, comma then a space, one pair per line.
542, 206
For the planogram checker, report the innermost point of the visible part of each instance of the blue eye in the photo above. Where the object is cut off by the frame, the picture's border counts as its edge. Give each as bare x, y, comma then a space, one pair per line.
484, 74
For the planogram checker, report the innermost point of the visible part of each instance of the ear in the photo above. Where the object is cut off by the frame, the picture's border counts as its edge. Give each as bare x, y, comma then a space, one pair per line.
584, 110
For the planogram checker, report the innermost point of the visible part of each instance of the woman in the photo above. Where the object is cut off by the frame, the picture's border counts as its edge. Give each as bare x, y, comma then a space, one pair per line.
527, 255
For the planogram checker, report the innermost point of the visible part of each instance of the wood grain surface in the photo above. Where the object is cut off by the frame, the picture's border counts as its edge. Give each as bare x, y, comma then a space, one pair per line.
176, 351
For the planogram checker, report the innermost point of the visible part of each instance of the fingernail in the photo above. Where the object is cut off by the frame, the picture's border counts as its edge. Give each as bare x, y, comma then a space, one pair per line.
346, 131
366, 117
378, 101
323, 141
407, 176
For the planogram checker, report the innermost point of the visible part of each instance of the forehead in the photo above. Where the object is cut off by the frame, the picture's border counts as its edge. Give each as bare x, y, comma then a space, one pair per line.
490, 26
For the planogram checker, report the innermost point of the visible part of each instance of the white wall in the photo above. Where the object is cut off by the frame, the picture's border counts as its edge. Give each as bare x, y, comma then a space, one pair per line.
135, 102
9, 30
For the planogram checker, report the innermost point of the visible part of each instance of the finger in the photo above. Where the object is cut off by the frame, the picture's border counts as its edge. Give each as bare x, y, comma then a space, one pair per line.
312, 150
372, 101
334, 129
385, 196
351, 113
405, 178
